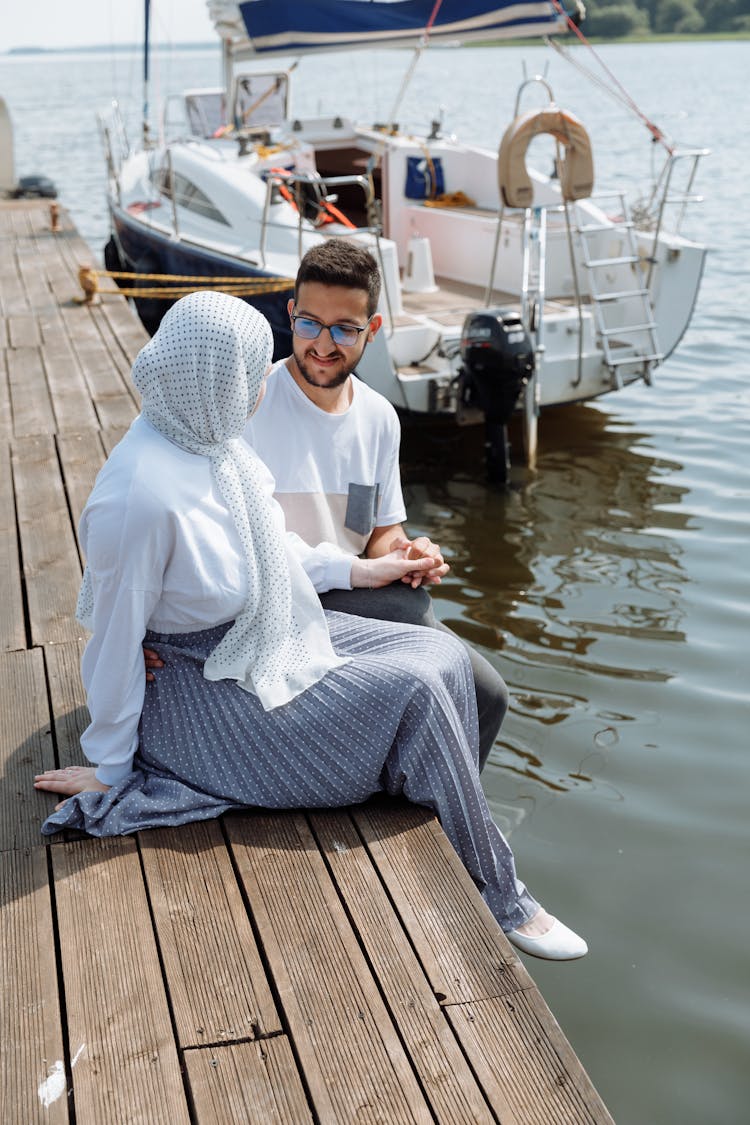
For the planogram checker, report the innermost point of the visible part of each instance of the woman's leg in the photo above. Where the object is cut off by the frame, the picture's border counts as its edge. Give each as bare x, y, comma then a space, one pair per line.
434, 762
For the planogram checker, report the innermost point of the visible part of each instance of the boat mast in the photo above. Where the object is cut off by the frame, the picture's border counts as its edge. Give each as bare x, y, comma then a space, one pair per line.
415, 59
146, 53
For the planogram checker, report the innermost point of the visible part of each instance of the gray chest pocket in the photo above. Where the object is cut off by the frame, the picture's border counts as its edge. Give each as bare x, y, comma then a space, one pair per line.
362, 508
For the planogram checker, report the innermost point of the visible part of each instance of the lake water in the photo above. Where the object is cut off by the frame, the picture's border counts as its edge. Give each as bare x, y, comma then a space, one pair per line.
611, 588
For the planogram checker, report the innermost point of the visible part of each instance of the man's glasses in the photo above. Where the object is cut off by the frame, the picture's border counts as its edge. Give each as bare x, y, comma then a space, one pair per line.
342, 334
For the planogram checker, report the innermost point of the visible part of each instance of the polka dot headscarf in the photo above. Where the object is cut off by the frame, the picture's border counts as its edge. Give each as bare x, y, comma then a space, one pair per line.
199, 379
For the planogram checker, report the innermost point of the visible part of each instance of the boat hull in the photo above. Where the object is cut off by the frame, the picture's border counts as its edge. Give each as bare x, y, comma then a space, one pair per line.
142, 249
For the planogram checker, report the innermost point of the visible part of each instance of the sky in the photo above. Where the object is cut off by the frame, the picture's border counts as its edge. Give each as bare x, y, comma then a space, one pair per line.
83, 23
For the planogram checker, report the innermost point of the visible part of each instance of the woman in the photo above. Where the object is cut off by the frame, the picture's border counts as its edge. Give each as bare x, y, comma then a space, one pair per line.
263, 700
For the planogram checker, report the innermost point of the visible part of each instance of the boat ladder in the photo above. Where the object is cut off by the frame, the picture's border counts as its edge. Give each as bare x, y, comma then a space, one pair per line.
623, 315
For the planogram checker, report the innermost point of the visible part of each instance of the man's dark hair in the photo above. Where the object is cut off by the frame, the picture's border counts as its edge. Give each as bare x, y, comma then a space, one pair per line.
338, 261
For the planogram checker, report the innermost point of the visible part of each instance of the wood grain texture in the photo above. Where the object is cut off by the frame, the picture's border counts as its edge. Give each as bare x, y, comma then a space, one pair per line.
446, 1078
51, 566
25, 748
81, 457
523, 1059
247, 1082
30, 400
117, 1013
70, 715
33, 1082
354, 1065
12, 620
216, 980
463, 950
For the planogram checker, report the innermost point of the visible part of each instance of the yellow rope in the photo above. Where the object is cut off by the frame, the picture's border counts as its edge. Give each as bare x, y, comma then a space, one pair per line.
185, 277
236, 286
451, 199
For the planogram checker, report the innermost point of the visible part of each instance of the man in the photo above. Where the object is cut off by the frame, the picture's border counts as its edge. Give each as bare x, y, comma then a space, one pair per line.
332, 445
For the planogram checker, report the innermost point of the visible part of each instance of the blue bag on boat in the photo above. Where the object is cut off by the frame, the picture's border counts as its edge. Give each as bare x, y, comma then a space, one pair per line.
424, 177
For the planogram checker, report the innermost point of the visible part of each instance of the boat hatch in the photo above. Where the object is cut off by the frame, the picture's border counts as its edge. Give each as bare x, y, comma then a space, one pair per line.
260, 100
195, 113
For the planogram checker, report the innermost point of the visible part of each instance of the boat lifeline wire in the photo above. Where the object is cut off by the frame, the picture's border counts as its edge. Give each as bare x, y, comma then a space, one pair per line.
618, 92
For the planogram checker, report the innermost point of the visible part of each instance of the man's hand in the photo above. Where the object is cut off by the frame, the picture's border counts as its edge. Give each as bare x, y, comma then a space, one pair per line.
152, 660
421, 549
74, 779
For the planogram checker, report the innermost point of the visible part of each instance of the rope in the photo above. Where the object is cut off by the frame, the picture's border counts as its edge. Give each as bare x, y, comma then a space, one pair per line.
620, 93
88, 279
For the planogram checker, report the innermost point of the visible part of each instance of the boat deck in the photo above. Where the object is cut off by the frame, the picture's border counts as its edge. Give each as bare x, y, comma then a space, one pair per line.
272, 967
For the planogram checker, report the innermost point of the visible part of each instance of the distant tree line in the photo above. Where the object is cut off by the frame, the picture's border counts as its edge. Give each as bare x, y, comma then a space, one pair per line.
615, 18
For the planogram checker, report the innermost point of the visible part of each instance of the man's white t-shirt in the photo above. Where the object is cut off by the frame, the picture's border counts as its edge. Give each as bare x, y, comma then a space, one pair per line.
337, 475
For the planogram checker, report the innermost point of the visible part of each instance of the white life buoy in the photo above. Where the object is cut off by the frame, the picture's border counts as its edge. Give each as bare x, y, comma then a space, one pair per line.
576, 170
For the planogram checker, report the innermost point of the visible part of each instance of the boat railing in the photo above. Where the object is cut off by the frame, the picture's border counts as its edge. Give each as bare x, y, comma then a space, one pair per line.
665, 195
303, 188
115, 140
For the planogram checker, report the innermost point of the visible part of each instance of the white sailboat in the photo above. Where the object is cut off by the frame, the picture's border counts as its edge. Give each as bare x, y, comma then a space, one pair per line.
504, 288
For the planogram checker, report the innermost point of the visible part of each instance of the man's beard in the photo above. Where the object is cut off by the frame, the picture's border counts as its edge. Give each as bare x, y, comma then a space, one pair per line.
338, 381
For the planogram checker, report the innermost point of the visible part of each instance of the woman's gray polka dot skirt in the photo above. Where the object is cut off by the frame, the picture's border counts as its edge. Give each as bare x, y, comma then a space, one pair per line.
398, 718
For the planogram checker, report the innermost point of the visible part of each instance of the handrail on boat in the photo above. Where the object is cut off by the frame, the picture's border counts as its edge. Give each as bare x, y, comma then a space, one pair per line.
665, 199
277, 178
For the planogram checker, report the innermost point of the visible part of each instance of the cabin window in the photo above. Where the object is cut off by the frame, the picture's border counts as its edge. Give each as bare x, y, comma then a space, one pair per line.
186, 194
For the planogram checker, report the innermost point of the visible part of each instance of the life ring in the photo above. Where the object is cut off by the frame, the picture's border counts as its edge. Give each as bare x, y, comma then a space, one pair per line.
576, 170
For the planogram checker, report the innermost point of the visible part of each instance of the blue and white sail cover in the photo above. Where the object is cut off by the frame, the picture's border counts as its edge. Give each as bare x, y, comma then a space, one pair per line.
304, 26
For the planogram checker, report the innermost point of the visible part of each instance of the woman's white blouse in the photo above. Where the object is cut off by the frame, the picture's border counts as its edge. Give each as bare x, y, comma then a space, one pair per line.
163, 554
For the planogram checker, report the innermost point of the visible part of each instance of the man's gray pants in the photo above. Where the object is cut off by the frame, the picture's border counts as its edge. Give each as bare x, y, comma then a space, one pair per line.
399, 602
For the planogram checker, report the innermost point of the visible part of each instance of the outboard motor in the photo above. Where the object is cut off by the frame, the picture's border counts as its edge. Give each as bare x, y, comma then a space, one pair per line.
498, 360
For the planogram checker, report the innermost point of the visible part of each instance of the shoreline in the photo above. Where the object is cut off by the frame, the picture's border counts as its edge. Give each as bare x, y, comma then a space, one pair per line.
122, 48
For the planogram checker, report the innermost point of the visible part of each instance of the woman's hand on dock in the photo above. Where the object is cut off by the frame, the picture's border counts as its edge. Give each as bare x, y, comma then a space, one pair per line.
72, 780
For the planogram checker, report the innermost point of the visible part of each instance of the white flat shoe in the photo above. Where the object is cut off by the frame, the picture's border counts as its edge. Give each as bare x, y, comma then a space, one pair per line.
558, 944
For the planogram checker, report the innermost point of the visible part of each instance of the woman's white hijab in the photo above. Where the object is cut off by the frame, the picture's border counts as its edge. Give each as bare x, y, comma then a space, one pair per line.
199, 379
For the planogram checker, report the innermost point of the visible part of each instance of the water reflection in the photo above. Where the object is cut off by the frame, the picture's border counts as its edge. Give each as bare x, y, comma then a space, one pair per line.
571, 581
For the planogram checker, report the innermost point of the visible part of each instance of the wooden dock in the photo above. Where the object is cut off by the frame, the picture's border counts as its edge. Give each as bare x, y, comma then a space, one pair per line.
292, 967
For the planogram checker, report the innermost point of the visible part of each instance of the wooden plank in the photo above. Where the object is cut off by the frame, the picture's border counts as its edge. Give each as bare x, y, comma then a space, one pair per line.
117, 1013
6, 416
67, 387
33, 1084
216, 981
128, 332
32, 275
70, 715
53, 261
111, 436
112, 398
353, 1063
464, 953
444, 1073
81, 457
522, 1058
25, 748
51, 566
31, 404
23, 332
12, 623
12, 294
247, 1082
